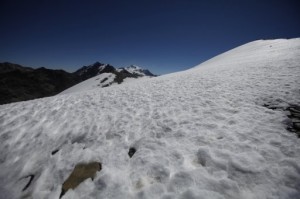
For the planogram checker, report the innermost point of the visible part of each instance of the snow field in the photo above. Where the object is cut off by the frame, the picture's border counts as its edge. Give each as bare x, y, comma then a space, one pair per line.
201, 133
98, 81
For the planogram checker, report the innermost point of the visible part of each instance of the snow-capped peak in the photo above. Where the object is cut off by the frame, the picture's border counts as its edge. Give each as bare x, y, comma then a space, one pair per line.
92, 70
134, 67
137, 70
102, 67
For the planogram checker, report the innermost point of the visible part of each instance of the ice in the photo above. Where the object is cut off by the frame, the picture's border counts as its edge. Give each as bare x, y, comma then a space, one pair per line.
200, 133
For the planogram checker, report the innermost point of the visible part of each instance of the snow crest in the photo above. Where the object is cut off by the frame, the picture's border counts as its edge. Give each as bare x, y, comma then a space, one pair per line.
201, 133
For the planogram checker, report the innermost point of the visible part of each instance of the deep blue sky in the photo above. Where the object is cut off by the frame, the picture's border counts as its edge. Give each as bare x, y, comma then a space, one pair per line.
162, 35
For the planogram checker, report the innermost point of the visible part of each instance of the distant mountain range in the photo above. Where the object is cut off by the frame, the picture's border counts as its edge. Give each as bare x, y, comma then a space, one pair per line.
100, 75
19, 83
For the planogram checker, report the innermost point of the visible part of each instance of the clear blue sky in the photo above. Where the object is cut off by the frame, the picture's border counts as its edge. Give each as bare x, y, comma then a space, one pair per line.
162, 35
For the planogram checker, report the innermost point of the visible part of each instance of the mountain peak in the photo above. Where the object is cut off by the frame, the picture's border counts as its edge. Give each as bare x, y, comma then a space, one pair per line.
137, 70
134, 66
92, 70
97, 64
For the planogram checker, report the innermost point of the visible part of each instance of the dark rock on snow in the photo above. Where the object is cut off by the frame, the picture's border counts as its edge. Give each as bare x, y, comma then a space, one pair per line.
80, 173
131, 152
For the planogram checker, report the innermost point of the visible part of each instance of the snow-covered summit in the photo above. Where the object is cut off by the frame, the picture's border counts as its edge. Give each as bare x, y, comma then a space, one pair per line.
207, 132
134, 67
137, 70
92, 70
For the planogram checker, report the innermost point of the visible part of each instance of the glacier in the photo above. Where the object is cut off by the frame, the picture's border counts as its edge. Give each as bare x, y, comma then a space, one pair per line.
199, 133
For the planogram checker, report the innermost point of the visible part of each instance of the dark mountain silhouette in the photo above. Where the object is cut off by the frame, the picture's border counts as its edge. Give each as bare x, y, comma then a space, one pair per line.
18, 83
87, 72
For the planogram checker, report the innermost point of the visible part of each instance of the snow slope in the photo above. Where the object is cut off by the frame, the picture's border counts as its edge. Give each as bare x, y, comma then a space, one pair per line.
106, 75
201, 133
99, 81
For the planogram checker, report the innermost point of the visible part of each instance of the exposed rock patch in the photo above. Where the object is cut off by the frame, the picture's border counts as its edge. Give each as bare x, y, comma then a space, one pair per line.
54, 151
80, 173
293, 123
131, 152
295, 119
102, 81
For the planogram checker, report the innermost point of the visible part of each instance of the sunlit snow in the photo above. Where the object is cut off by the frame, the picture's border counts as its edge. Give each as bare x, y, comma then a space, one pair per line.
200, 133
99, 81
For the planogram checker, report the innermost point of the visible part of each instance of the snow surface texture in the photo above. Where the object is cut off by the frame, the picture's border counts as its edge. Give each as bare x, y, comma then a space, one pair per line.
201, 133
99, 81
128, 79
